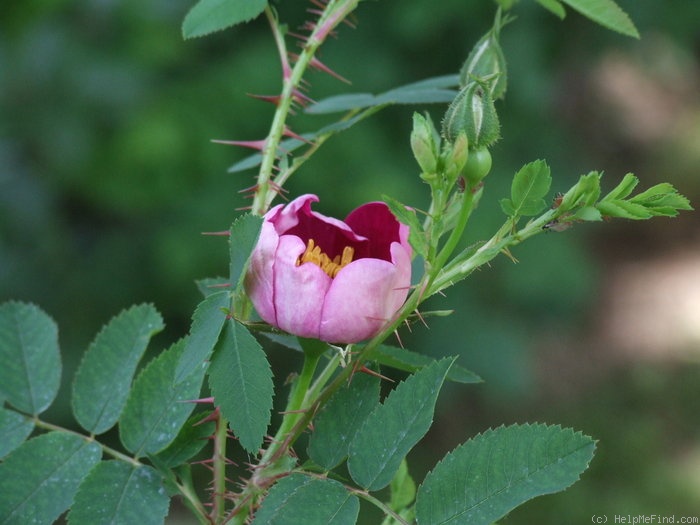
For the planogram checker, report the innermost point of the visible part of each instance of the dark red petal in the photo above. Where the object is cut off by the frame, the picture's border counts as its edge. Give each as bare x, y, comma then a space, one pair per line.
375, 221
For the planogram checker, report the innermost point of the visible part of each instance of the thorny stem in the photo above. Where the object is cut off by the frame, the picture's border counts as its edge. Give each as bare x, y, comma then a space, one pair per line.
219, 465
334, 13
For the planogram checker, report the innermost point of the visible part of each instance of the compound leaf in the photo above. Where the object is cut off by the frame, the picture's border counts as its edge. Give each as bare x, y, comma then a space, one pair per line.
104, 376
208, 16
39, 479
154, 411
241, 382
117, 492
311, 501
395, 426
491, 474
30, 374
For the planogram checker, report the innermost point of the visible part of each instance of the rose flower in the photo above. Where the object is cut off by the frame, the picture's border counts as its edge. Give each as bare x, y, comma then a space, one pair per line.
319, 277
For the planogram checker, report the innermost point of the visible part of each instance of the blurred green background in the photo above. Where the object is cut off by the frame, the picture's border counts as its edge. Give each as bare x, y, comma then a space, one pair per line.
108, 177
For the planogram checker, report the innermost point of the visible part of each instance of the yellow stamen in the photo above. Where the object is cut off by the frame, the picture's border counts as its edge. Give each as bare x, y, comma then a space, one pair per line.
314, 255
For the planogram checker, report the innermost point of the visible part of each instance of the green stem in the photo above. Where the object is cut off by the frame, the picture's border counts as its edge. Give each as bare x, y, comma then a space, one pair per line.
460, 267
471, 195
380, 504
333, 14
219, 465
296, 408
107, 450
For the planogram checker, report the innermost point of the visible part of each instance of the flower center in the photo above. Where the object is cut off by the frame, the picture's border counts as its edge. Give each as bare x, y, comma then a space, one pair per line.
314, 254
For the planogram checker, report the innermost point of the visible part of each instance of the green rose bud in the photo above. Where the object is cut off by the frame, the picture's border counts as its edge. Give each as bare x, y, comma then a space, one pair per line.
472, 112
486, 62
424, 145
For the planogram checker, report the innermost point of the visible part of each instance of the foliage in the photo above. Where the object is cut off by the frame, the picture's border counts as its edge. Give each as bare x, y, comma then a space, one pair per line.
352, 423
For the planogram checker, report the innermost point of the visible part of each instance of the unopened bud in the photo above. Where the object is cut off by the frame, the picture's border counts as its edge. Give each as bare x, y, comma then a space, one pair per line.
472, 112
486, 62
423, 144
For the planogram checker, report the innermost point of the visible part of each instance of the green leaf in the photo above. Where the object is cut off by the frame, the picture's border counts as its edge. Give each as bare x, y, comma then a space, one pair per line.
606, 13
104, 376
312, 501
409, 361
428, 91
242, 239
211, 285
623, 210
407, 216
208, 16
30, 374
530, 186
584, 193
241, 382
155, 412
394, 427
191, 439
336, 425
623, 189
117, 492
39, 479
491, 474
14, 429
553, 6
207, 322
403, 489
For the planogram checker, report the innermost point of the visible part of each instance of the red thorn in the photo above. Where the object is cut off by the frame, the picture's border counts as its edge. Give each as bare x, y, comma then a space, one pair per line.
274, 99
366, 370
201, 400
254, 187
317, 64
289, 133
252, 144
224, 233
244, 208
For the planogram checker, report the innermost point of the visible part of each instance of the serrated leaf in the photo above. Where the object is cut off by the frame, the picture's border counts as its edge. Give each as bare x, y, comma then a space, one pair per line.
623, 210
408, 361
407, 216
191, 439
491, 474
39, 479
336, 425
207, 322
155, 412
241, 382
428, 91
242, 239
584, 193
30, 374
208, 16
554, 7
14, 429
312, 501
662, 199
530, 185
623, 189
606, 13
104, 376
395, 426
117, 492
